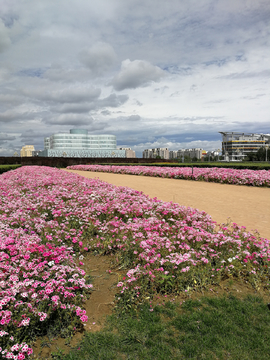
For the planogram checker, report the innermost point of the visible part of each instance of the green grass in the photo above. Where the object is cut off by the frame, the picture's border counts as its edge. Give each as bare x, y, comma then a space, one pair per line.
209, 328
4, 168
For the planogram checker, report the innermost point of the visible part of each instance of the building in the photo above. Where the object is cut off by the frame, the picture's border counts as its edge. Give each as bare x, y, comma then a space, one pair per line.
78, 143
27, 150
162, 153
173, 154
236, 145
147, 154
129, 152
191, 153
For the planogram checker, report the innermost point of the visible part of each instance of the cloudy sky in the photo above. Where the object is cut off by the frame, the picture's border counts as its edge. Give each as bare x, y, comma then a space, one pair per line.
154, 73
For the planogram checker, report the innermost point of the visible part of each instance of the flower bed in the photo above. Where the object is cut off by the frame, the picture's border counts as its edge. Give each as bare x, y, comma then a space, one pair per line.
49, 218
218, 175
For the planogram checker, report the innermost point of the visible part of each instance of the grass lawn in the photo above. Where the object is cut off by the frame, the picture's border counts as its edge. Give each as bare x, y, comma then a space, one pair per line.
206, 328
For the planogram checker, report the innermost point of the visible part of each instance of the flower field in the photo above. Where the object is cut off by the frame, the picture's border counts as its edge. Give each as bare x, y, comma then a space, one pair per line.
50, 219
218, 175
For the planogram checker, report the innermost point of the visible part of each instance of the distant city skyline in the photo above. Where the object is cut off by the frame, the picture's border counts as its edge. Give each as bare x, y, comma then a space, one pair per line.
155, 74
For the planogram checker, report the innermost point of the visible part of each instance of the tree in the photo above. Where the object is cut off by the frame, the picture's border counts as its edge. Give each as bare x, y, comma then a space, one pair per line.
251, 156
260, 155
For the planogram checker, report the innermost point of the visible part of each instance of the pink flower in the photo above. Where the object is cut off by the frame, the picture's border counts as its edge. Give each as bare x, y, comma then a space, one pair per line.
84, 318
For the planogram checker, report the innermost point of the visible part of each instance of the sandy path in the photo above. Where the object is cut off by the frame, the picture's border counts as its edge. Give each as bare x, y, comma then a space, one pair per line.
246, 206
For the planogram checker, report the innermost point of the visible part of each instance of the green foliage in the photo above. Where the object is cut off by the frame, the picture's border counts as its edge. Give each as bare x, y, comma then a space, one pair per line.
260, 155
5, 168
206, 164
57, 354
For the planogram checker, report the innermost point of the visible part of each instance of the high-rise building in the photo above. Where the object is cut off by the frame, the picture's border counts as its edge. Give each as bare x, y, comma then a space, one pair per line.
129, 152
27, 150
172, 154
162, 153
191, 153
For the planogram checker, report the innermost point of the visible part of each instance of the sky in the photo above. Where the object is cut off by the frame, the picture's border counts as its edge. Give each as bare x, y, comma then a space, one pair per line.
154, 73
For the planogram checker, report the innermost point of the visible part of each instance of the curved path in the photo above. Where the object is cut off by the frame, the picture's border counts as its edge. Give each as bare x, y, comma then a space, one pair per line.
244, 205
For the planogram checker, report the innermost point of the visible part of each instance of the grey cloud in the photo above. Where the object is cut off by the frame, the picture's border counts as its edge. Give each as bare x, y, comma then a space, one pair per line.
254, 97
123, 119
69, 119
113, 100
10, 115
137, 102
105, 112
247, 74
99, 58
5, 151
133, 118
6, 137
162, 89
73, 108
73, 95
32, 138
4, 74
137, 73
9, 99
4, 37
97, 126
32, 72
58, 73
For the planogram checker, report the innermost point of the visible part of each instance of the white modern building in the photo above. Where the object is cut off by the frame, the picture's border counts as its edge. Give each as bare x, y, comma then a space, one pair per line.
236, 145
78, 143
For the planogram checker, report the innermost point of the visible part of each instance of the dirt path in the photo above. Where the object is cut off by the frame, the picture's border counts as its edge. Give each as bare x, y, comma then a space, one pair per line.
246, 206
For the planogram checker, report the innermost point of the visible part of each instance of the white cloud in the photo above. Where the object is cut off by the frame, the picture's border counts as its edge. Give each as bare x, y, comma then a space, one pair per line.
137, 73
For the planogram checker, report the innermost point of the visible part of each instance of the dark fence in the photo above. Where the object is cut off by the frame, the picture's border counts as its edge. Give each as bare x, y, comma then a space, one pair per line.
10, 160
62, 162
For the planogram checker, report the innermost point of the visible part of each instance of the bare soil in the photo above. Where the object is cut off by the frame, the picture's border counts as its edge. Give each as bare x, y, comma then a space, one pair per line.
98, 306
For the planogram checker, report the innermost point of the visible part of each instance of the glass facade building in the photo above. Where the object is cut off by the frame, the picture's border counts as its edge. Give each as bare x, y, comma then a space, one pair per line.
78, 143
